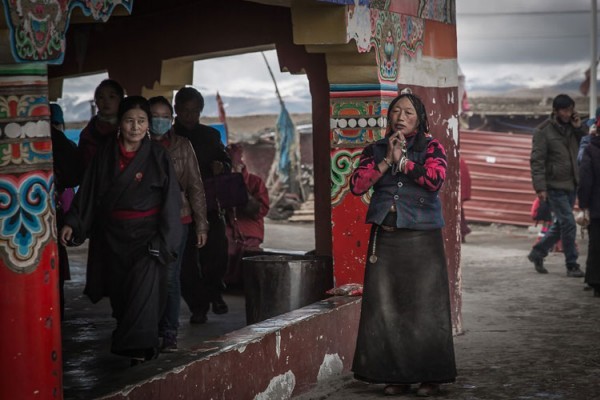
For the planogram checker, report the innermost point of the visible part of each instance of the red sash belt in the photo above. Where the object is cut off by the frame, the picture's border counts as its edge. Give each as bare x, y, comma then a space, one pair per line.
131, 214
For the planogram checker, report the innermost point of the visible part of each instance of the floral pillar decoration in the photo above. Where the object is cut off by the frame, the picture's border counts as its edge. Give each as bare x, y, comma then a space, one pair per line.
30, 351
38, 29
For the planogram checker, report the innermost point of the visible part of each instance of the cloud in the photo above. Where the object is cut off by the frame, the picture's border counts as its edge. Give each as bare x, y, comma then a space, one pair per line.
504, 76
247, 75
502, 45
77, 95
528, 43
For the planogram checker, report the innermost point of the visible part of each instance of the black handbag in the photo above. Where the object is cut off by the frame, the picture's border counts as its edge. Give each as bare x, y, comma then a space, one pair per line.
225, 191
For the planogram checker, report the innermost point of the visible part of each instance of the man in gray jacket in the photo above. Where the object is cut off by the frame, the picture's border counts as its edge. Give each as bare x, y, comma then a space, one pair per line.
555, 175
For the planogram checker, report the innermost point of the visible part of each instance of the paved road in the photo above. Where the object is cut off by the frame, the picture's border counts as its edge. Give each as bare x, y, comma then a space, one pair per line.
281, 235
526, 335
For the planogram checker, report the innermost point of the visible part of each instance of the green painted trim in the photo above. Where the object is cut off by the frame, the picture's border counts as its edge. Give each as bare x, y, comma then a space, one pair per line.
23, 69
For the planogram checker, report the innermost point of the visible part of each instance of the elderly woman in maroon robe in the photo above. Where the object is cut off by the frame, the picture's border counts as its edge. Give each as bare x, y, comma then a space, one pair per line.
128, 205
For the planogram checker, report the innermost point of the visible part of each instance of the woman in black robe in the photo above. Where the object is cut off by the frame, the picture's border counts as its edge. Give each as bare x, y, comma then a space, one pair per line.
128, 205
405, 331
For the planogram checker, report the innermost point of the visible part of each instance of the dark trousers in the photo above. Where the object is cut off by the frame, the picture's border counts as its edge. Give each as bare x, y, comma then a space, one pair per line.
202, 270
563, 227
169, 323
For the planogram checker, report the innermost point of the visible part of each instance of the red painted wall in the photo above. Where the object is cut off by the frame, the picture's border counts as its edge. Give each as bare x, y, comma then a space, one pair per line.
30, 321
274, 358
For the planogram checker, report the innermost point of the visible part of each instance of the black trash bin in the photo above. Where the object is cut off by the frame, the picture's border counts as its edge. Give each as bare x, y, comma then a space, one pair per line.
276, 284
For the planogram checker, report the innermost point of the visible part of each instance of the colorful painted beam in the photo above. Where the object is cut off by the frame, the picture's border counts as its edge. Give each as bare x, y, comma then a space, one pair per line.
38, 29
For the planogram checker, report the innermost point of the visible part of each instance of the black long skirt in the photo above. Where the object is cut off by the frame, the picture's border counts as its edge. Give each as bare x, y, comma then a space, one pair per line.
137, 287
592, 266
405, 331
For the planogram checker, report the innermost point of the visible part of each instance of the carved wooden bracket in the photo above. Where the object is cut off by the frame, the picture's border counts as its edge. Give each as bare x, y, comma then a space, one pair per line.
37, 29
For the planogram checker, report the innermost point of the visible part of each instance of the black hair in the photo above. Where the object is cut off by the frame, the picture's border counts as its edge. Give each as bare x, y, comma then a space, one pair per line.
423, 126
110, 83
186, 94
562, 101
160, 100
131, 102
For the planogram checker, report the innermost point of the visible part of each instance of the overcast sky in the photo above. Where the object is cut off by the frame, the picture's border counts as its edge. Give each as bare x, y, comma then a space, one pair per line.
501, 44
528, 43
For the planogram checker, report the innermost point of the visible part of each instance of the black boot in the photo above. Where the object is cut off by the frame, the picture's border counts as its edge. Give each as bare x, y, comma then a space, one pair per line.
573, 271
538, 262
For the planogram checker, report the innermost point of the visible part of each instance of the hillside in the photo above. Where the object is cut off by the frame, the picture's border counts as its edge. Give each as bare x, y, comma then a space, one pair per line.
248, 128
522, 105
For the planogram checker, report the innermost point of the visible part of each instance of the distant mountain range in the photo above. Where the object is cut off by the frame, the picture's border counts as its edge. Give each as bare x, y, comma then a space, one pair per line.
510, 99
568, 84
77, 110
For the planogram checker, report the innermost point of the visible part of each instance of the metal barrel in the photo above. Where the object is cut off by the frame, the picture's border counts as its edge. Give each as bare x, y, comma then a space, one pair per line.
276, 284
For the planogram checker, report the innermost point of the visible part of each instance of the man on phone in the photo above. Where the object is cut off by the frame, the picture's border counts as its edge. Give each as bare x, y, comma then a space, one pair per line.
555, 176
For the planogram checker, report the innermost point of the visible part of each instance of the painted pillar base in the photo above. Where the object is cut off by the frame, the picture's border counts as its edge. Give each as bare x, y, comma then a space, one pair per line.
30, 349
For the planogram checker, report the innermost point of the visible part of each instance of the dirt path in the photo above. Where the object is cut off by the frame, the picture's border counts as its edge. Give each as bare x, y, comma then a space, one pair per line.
526, 335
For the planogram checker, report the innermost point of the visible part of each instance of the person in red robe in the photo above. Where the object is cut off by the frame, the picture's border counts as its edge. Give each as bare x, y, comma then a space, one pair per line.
245, 225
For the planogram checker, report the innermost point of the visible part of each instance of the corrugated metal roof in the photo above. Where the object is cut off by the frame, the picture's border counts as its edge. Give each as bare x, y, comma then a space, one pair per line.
501, 189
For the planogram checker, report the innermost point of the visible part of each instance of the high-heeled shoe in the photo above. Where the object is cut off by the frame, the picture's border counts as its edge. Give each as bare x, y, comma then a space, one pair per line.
391, 390
428, 389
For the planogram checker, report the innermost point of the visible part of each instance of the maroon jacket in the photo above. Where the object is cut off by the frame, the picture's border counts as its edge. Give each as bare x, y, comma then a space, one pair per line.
94, 136
251, 218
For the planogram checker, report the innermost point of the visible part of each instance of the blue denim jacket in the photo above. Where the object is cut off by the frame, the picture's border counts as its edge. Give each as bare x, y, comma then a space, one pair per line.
417, 208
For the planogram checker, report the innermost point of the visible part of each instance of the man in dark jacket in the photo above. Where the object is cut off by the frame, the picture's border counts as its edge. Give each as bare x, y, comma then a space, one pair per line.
589, 202
212, 160
555, 176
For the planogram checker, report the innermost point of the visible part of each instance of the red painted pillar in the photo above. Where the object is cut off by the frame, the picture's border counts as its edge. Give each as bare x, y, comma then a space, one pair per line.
30, 346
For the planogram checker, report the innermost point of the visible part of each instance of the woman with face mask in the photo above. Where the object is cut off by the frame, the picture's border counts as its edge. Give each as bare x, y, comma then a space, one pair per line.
193, 210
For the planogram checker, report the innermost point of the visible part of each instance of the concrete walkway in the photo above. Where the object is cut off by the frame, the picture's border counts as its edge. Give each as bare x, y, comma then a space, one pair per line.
526, 335
89, 369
